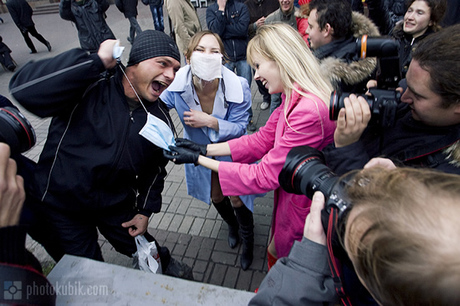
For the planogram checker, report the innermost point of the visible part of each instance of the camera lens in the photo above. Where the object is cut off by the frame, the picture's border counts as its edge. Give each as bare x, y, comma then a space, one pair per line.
16, 130
336, 103
305, 172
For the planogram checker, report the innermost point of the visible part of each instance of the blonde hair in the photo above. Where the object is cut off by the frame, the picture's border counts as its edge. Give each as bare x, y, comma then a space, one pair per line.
405, 237
283, 45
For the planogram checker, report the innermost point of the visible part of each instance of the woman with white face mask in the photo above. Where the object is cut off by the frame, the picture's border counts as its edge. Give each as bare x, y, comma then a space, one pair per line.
212, 103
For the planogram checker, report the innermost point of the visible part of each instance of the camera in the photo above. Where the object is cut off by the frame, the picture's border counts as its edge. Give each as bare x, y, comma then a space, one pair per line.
383, 105
16, 130
305, 172
384, 99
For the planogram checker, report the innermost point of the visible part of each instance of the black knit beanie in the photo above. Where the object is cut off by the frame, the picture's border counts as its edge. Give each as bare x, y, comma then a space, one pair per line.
151, 43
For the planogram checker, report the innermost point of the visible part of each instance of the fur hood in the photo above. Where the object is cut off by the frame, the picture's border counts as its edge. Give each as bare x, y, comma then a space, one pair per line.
338, 70
302, 12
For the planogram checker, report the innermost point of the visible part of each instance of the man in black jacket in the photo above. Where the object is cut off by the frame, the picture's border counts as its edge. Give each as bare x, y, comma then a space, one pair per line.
333, 30
95, 171
89, 18
258, 11
230, 19
21, 12
427, 127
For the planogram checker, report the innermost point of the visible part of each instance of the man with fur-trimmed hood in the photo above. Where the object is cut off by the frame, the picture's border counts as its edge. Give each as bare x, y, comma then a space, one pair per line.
333, 29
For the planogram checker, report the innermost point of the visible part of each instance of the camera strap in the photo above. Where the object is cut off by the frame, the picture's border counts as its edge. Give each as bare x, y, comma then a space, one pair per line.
333, 263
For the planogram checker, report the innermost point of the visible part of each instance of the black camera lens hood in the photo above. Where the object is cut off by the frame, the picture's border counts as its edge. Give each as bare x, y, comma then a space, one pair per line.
16, 130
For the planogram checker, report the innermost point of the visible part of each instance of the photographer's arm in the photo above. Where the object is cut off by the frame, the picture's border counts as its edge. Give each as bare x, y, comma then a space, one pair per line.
302, 278
12, 195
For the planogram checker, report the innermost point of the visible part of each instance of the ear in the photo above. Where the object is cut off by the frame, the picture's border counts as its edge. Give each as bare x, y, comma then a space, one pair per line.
328, 30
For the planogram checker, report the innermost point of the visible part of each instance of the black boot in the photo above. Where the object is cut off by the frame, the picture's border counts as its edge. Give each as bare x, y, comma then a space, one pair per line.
225, 210
246, 221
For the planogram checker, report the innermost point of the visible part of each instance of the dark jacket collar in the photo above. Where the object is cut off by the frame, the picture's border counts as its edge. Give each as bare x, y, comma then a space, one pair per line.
344, 48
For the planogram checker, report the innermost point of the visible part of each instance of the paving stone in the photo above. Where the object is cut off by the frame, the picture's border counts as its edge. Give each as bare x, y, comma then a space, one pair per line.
244, 280
175, 223
207, 228
200, 266
218, 275
231, 277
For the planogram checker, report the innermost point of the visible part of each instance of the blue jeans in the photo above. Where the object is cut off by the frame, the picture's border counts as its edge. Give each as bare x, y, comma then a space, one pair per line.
157, 14
275, 102
243, 70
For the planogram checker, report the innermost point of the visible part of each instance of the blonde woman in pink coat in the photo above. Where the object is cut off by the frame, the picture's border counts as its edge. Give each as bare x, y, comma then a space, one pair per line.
284, 64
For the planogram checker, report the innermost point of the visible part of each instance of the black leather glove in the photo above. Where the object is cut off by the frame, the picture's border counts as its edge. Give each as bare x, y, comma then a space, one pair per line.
180, 155
185, 143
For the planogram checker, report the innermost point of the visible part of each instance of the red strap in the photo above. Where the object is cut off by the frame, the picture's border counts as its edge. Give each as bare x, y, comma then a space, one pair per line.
332, 223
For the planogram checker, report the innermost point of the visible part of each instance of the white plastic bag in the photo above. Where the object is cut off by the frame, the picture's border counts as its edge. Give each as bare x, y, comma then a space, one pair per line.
146, 257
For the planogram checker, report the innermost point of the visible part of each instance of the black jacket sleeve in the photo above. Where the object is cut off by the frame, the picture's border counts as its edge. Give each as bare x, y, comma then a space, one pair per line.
65, 10
51, 86
12, 245
344, 159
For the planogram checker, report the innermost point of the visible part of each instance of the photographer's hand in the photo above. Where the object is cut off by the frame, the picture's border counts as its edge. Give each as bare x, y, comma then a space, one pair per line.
313, 229
12, 194
380, 162
371, 84
352, 121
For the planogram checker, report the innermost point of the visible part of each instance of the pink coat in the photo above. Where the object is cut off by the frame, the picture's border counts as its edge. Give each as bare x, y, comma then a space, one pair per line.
307, 124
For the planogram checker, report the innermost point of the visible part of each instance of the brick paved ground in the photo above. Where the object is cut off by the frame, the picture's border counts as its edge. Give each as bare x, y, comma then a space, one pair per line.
191, 229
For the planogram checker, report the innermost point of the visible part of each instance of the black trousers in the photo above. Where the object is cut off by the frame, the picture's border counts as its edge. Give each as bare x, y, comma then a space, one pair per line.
76, 232
35, 34
5, 59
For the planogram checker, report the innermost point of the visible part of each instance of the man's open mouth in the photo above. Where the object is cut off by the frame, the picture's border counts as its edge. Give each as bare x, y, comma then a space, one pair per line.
159, 85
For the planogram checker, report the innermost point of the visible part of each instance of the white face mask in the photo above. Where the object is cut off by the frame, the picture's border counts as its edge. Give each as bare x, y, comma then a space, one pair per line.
206, 66
158, 132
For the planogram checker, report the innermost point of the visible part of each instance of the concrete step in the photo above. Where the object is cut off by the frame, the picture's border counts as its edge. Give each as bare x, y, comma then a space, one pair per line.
51, 8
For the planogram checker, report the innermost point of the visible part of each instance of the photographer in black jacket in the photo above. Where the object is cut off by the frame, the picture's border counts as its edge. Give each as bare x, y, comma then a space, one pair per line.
19, 269
427, 128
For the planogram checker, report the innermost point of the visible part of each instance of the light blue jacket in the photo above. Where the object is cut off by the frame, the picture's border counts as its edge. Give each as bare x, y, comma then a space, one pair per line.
231, 104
